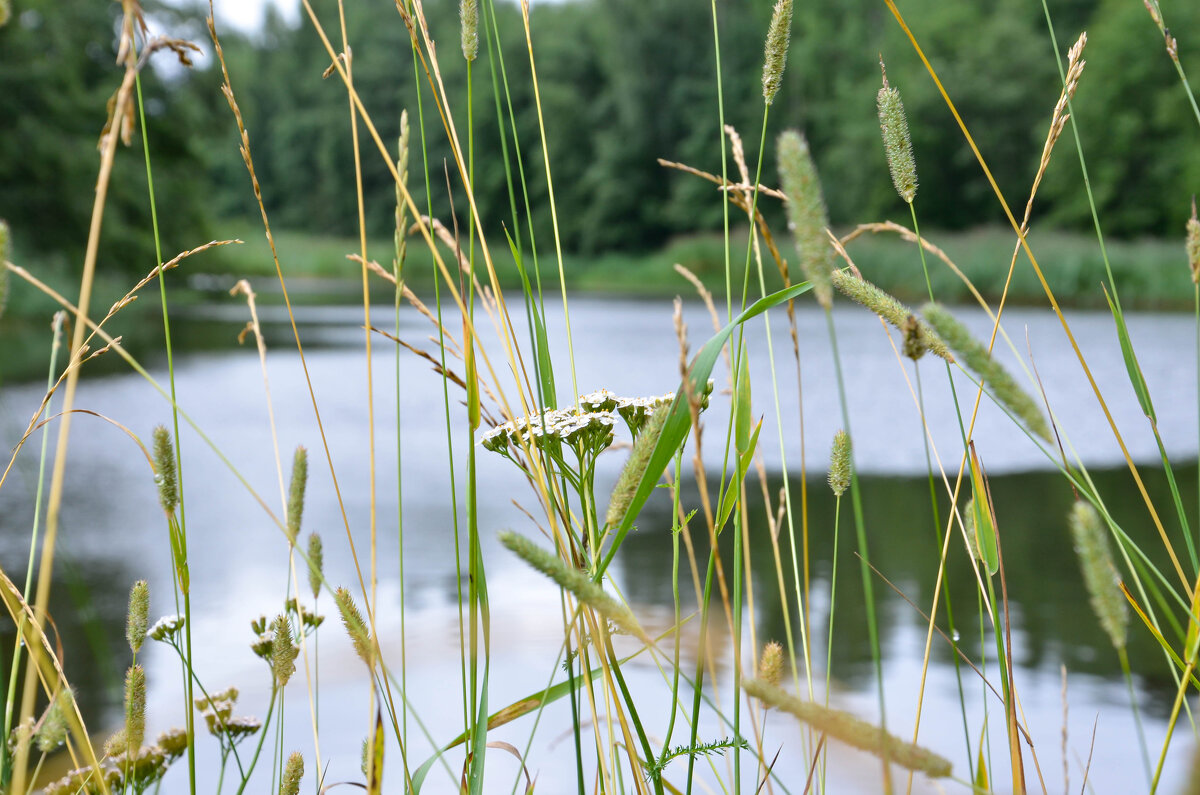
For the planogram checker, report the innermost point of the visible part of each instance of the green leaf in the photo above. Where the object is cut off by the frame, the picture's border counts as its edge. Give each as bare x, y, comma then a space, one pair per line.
741, 408
729, 499
679, 421
1132, 367
985, 526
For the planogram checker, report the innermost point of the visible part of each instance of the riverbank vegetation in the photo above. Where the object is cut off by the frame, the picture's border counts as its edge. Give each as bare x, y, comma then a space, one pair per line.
480, 162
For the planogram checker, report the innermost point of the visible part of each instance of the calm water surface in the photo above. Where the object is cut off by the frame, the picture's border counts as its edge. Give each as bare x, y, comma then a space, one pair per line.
113, 531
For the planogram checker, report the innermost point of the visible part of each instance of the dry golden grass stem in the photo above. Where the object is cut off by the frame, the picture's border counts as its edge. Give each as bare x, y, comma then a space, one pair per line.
118, 125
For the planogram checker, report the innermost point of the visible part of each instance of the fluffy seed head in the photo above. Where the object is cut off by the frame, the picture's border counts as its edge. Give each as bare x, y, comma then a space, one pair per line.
635, 467
775, 50
1000, 384
1193, 243
770, 664
164, 468
839, 463
316, 563
295, 504
468, 14
135, 707
52, 728
807, 216
852, 730
283, 650
1099, 574
292, 773
356, 627
138, 619
896, 141
891, 310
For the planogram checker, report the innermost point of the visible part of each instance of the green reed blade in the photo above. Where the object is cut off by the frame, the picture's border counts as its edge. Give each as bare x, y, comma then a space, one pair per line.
679, 422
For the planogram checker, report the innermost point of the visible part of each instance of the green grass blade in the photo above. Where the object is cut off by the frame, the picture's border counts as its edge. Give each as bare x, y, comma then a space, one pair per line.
679, 421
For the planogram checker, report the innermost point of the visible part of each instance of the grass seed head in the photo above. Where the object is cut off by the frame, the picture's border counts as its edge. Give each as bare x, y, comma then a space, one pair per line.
356, 627
295, 503
138, 619
839, 463
775, 51
1193, 243
293, 771
575, 581
891, 310
164, 469
283, 650
635, 467
316, 563
1099, 574
807, 216
770, 664
852, 730
468, 14
979, 361
52, 728
897, 143
135, 707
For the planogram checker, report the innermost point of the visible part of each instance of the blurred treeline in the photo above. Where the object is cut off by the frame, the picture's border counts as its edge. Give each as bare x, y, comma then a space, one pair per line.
622, 82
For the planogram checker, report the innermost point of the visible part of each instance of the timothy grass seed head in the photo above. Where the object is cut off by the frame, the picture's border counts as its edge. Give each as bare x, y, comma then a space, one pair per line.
807, 216
356, 627
283, 650
52, 728
468, 14
1099, 574
316, 563
135, 707
839, 464
138, 619
770, 664
293, 771
295, 503
779, 35
897, 144
887, 307
164, 469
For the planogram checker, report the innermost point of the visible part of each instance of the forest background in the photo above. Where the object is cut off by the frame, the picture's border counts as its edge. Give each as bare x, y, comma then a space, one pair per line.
645, 68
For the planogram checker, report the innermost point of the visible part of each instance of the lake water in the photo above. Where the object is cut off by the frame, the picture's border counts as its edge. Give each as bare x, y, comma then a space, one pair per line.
113, 531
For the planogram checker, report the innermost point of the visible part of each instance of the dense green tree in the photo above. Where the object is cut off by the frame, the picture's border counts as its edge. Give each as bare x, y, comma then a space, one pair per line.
57, 72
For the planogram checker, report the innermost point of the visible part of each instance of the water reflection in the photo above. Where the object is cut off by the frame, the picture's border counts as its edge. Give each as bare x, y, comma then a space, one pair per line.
1052, 619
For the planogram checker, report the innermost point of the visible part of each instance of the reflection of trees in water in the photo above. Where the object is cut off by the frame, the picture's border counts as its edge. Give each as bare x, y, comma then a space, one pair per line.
87, 628
1051, 615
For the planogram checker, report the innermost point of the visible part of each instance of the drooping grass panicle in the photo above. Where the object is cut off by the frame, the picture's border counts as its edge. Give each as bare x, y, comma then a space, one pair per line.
853, 731
976, 357
839, 463
468, 16
807, 216
575, 581
135, 707
164, 469
779, 35
316, 563
295, 503
293, 771
897, 144
138, 618
887, 307
635, 467
283, 650
356, 627
1193, 243
1058, 119
1099, 574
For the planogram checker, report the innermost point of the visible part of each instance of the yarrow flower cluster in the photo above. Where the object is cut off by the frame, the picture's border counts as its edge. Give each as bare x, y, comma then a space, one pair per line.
588, 427
165, 628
